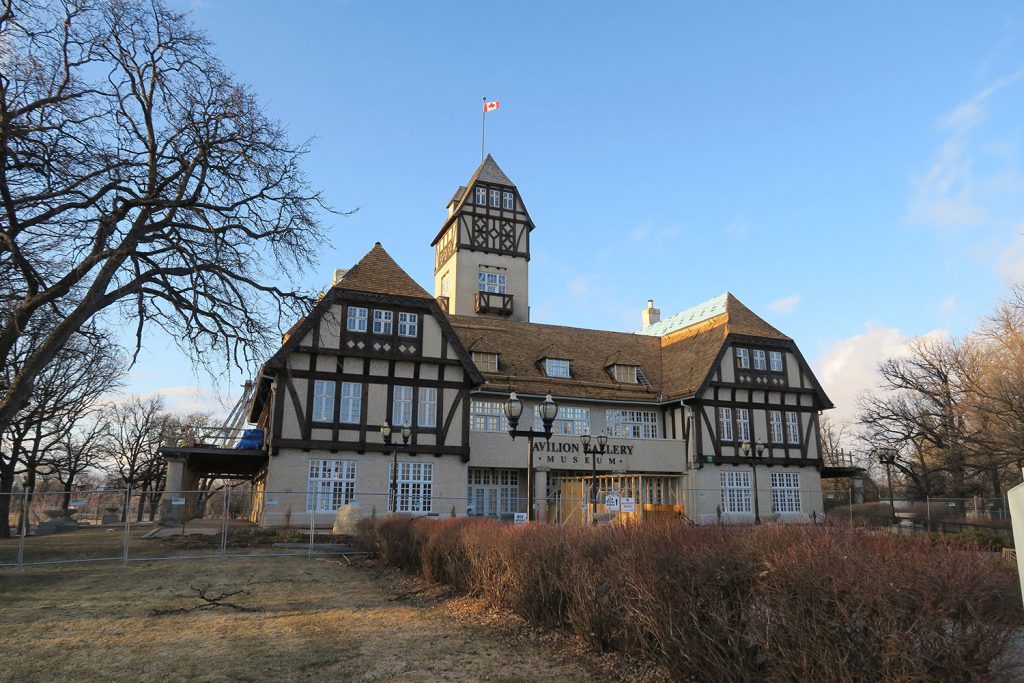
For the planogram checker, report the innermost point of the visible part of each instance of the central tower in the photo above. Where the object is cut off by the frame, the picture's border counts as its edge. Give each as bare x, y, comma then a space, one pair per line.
482, 252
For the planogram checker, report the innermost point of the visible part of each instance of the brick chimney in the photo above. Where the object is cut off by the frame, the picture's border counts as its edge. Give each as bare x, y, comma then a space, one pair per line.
650, 315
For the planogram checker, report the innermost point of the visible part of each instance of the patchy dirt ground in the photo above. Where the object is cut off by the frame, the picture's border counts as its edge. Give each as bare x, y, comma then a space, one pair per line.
321, 621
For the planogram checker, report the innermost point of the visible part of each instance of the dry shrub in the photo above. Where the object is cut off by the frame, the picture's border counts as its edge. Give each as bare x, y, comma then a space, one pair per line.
739, 604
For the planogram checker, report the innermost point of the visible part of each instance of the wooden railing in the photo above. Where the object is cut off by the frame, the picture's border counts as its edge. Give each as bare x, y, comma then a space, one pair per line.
494, 302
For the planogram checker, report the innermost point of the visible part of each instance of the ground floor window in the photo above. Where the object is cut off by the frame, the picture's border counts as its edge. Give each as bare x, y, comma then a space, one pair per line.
736, 492
785, 492
332, 483
415, 483
492, 492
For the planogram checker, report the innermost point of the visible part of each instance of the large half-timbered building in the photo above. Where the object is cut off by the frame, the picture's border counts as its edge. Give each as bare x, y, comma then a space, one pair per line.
678, 399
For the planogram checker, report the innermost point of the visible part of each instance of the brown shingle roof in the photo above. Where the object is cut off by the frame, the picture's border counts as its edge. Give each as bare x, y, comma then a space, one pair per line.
521, 344
686, 359
378, 272
742, 320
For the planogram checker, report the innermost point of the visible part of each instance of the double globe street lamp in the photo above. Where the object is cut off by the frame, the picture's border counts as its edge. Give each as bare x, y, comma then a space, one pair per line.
887, 457
385, 433
758, 450
602, 442
548, 410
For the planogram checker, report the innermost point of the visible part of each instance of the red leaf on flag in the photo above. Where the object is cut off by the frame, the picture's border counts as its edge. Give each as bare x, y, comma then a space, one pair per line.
491, 106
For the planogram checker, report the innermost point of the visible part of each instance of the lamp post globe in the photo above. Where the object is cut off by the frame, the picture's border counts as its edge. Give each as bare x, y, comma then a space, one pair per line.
385, 431
513, 410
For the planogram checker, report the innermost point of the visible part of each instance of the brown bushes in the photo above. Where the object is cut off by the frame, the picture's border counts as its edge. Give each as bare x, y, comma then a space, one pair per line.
738, 604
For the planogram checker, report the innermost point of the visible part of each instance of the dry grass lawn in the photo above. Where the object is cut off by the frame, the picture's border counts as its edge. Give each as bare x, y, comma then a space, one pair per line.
322, 621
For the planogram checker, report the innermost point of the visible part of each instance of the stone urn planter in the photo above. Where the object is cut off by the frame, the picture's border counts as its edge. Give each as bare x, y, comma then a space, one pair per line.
111, 515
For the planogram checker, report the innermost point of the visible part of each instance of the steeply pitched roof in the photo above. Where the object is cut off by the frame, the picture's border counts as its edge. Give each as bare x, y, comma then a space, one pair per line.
377, 272
489, 172
687, 359
724, 309
522, 344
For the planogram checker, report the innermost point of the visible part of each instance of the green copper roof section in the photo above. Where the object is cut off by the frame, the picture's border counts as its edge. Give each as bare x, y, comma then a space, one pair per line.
691, 316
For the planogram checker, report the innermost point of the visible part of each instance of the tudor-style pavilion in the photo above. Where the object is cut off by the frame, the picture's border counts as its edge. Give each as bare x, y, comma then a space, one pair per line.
678, 398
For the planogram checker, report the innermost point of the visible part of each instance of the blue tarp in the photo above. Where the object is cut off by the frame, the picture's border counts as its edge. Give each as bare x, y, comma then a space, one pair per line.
251, 438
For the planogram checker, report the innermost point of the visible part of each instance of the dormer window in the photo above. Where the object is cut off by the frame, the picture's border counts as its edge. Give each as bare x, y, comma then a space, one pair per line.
625, 374
481, 196
556, 367
508, 200
495, 198
485, 362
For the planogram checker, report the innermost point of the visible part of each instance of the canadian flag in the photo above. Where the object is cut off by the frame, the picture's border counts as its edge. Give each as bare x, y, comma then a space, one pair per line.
491, 106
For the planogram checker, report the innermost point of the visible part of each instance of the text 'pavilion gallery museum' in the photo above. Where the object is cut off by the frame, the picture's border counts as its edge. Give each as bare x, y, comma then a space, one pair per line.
684, 404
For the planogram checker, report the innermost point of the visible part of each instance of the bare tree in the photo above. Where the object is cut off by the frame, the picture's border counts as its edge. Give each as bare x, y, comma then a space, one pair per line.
78, 452
138, 427
138, 177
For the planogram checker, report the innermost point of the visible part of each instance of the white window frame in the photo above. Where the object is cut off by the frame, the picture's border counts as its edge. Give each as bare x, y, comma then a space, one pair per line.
503, 484
495, 198
323, 400
401, 406
759, 360
351, 402
481, 196
483, 361
487, 416
775, 426
357, 317
330, 484
489, 281
571, 421
793, 427
445, 284
558, 367
415, 486
508, 200
626, 374
775, 361
383, 321
632, 424
737, 496
426, 408
743, 358
408, 324
742, 425
786, 492
724, 424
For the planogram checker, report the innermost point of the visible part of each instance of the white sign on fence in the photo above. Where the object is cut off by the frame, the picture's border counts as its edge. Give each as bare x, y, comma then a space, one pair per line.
629, 505
520, 518
271, 501
177, 501
611, 502
78, 501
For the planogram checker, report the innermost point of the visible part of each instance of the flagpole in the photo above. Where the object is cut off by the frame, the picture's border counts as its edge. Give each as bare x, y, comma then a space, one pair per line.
483, 126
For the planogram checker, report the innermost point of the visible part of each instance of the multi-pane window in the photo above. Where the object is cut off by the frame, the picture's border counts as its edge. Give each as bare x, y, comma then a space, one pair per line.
487, 416
427, 409
725, 424
743, 424
382, 322
481, 196
775, 360
492, 492
570, 421
792, 427
507, 200
743, 358
401, 407
775, 425
785, 492
323, 400
632, 424
736, 491
408, 324
332, 483
624, 373
495, 198
759, 361
351, 402
446, 282
556, 367
356, 319
491, 282
415, 481
486, 362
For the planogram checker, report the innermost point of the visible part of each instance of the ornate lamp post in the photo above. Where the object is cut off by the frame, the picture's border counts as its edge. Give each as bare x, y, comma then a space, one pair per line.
385, 432
758, 450
887, 456
602, 441
548, 410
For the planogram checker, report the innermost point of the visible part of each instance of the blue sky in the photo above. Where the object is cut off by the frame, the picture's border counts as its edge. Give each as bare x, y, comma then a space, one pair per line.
850, 172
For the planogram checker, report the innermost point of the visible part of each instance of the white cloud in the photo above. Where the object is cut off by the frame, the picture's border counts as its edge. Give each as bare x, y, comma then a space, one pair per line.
786, 305
949, 304
647, 231
580, 285
849, 367
1011, 261
192, 400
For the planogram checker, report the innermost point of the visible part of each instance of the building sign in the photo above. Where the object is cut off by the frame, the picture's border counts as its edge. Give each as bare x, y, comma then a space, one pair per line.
77, 501
271, 501
177, 501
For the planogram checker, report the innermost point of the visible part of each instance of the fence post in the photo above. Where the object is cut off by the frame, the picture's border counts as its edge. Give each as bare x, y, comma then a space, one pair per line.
23, 531
224, 524
928, 511
312, 520
127, 522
